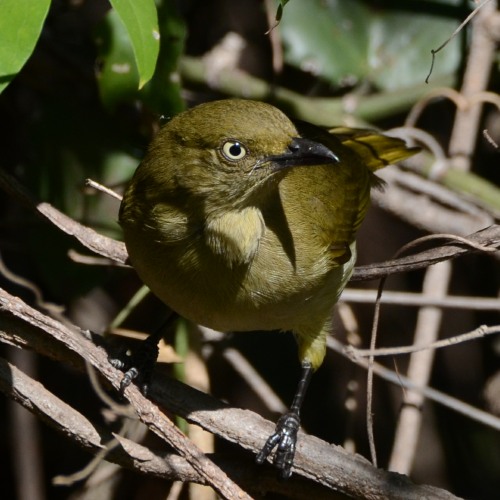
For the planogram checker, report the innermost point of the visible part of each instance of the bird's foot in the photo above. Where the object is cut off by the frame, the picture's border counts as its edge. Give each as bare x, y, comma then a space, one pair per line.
138, 367
284, 440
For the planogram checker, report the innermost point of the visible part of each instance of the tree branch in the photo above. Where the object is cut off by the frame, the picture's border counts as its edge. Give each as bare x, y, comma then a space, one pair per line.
330, 466
65, 419
23, 326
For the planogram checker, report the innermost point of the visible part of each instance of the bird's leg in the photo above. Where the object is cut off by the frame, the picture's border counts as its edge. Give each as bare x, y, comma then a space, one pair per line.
285, 435
139, 365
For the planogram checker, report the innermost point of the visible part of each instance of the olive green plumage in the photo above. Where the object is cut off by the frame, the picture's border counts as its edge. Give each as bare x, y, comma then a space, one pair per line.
239, 219
232, 231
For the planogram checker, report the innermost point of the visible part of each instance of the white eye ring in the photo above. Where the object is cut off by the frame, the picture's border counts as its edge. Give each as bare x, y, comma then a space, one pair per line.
234, 150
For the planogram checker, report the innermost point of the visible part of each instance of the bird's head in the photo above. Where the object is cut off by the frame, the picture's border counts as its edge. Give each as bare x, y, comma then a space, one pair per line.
229, 152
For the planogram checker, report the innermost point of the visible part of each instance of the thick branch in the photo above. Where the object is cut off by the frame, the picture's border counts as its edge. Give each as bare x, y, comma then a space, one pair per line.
65, 419
328, 465
319, 110
102, 245
489, 237
24, 326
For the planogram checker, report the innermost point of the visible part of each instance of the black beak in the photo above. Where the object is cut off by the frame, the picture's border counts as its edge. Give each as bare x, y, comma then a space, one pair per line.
303, 152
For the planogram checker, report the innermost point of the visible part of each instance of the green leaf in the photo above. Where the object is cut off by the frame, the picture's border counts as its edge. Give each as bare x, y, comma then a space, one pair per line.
118, 76
21, 23
163, 93
141, 22
347, 43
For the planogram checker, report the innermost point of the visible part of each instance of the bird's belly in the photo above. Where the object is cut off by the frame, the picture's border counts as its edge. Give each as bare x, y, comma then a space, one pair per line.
265, 295
287, 297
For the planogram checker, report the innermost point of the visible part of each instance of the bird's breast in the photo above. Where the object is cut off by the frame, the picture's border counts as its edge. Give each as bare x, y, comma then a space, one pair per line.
296, 270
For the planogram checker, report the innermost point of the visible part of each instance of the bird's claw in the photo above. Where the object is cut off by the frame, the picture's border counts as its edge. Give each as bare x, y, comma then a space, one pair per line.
284, 439
137, 368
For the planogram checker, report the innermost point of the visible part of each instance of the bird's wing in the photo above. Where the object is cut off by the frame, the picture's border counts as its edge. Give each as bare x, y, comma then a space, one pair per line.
375, 149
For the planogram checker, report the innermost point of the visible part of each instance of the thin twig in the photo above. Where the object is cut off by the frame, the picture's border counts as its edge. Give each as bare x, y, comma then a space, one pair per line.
93, 260
417, 109
376, 316
488, 137
432, 394
26, 447
101, 245
462, 25
486, 238
254, 380
427, 205
103, 189
435, 285
53, 309
369, 376
477, 333
475, 80
85, 472
355, 295
274, 37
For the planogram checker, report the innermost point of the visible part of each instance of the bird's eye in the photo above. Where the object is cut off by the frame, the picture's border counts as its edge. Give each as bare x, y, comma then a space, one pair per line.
234, 150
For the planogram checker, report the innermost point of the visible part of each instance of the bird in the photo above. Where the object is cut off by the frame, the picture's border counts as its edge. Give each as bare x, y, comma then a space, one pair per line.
240, 219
